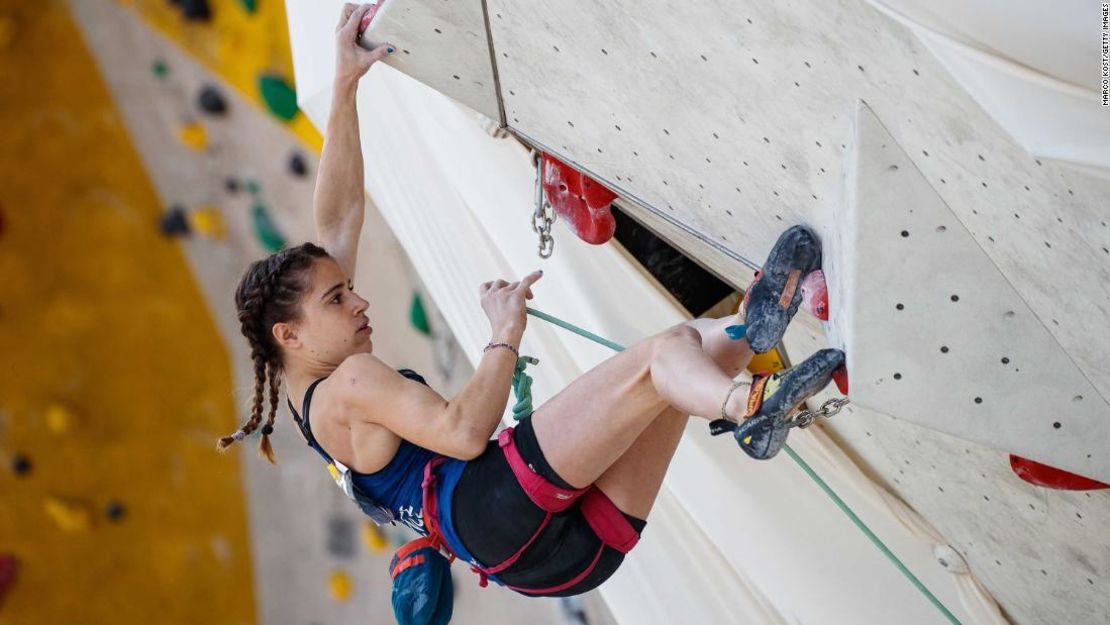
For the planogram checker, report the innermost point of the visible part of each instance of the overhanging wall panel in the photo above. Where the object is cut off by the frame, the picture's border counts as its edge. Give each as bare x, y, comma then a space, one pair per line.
736, 121
935, 334
442, 44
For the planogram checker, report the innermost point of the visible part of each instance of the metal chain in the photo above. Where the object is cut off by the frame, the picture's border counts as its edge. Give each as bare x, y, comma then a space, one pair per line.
544, 215
830, 408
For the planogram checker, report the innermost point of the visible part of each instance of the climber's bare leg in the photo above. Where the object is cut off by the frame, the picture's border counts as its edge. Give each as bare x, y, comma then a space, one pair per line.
619, 424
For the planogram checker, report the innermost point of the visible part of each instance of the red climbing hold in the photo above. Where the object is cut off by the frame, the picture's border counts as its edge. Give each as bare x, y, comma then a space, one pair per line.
815, 295
9, 566
582, 201
840, 376
1050, 477
368, 17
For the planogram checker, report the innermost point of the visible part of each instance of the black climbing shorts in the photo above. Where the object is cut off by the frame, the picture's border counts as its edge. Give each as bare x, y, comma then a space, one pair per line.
494, 517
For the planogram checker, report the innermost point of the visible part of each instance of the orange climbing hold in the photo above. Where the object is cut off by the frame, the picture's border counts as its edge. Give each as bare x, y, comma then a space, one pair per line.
582, 201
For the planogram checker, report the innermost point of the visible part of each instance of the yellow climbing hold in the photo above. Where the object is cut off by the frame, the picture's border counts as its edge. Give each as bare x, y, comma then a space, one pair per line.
339, 585
69, 516
769, 362
193, 135
58, 419
374, 537
209, 221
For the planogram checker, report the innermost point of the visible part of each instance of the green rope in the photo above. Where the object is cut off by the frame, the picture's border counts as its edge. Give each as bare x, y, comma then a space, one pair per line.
522, 387
875, 540
573, 328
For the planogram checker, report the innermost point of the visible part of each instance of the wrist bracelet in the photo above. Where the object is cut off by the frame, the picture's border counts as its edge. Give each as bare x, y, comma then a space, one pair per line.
506, 345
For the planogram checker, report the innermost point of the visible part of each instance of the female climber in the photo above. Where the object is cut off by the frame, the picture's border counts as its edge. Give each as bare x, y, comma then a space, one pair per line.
550, 506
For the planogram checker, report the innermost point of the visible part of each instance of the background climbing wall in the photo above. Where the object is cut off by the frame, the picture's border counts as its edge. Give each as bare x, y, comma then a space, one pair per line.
244, 41
116, 380
214, 174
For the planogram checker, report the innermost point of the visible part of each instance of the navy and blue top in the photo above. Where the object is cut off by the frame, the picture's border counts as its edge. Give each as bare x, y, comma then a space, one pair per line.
396, 489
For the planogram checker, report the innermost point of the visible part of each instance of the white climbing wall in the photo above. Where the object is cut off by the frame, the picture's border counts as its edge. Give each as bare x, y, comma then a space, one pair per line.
733, 122
442, 44
933, 331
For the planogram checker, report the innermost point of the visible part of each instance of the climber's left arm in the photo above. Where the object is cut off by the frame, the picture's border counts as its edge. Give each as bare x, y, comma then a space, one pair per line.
339, 200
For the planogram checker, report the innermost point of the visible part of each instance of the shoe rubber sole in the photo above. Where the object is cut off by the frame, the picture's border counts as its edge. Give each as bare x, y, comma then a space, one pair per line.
764, 434
775, 295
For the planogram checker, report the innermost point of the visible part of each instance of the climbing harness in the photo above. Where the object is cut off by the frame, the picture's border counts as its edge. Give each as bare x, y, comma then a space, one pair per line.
602, 515
544, 216
804, 419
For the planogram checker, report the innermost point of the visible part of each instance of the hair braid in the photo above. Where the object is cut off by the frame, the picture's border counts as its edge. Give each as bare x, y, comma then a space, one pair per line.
256, 406
269, 292
264, 447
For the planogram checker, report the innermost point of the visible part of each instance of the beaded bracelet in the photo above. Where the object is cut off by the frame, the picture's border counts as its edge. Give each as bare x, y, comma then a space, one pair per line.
492, 345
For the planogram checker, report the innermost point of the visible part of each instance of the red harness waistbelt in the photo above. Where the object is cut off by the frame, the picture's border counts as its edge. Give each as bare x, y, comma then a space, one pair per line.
603, 516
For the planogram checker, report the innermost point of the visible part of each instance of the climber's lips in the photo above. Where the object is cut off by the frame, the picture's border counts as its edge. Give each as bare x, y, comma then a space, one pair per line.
366, 329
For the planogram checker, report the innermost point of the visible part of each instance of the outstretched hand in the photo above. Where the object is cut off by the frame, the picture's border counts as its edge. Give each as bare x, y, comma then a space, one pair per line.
352, 61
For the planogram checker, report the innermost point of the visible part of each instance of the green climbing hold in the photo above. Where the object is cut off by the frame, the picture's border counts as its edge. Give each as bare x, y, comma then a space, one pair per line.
279, 95
250, 6
266, 230
160, 68
418, 316
252, 187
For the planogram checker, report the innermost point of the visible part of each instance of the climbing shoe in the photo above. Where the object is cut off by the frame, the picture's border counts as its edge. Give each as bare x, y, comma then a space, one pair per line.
772, 399
773, 298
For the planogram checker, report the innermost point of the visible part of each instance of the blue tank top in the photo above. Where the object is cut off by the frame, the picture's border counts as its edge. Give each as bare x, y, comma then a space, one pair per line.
397, 487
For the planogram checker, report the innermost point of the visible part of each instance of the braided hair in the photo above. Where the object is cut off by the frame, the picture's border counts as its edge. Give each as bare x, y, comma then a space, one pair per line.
270, 292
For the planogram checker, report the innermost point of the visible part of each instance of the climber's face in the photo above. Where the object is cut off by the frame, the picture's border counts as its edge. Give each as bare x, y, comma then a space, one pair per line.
333, 323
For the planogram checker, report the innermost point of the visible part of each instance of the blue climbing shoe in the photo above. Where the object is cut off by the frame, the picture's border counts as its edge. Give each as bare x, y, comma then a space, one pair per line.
773, 398
773, 298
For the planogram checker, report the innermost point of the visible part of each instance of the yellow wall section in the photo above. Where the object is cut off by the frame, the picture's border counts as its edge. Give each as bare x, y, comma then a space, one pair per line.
101, 315
236, 45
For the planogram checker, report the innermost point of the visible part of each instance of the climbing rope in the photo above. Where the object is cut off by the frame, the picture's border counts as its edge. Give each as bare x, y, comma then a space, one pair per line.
522, 387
